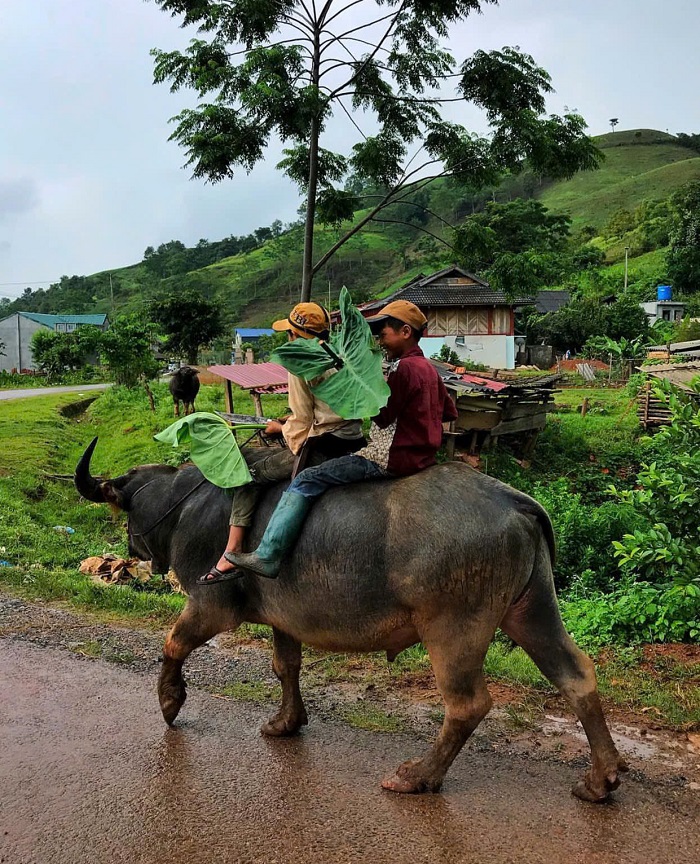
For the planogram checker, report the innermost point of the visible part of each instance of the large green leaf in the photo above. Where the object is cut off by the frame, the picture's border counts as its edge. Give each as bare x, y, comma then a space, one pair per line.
358, 388
213, 448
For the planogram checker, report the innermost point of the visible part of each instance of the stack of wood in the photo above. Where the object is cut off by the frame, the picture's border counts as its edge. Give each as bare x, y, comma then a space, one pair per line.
651, 410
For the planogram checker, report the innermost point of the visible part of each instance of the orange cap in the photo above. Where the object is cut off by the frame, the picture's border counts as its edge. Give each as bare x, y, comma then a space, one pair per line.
403, 311
307, 320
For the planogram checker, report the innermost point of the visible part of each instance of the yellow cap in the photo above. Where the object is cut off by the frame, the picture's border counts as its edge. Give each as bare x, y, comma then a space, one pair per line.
307, 320
403, 311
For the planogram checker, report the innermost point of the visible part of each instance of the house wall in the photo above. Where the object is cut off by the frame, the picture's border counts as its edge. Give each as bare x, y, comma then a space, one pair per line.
496, 352
655, 311
467, 321
16, 332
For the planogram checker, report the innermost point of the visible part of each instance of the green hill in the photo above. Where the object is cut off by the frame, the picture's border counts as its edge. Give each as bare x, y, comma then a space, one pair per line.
259, 284
639, 164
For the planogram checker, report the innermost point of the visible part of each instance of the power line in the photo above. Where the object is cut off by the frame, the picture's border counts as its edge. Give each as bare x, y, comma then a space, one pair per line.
35, 282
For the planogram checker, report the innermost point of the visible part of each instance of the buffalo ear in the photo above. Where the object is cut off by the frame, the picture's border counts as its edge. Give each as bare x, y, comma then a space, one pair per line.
113, 496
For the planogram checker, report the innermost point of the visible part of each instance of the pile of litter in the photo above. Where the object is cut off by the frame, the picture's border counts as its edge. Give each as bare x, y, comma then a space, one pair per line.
111, 570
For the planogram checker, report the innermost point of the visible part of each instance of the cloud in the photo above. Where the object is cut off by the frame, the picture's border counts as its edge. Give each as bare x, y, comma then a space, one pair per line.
17, 197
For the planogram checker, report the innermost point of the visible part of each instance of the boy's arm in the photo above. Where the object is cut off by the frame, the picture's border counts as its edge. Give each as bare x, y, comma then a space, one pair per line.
298, 425
400, 386
449, 409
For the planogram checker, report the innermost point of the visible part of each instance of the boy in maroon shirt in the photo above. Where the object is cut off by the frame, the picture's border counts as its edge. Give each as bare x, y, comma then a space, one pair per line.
404, 436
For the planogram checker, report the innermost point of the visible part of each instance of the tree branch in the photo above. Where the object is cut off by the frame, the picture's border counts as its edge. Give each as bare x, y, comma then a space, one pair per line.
394, 17
419, 228
341, 11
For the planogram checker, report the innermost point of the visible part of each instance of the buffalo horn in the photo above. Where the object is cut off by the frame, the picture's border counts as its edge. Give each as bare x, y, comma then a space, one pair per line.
85, 483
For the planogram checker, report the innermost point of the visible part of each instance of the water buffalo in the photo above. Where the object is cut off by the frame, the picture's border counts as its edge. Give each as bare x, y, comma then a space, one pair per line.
444, 557
184, 386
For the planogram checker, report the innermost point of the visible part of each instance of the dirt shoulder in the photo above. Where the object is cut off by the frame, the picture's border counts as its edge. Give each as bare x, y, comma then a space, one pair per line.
366, 693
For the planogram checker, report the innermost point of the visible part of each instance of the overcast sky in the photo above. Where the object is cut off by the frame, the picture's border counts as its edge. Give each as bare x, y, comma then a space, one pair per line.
88, 178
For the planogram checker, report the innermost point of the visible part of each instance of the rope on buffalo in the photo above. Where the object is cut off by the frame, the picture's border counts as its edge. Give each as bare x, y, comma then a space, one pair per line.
167, 512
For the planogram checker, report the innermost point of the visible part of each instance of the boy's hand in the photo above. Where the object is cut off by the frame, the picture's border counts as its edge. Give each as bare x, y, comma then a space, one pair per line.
274, 427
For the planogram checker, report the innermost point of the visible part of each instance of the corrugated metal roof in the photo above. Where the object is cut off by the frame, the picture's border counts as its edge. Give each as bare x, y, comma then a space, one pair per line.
680, 374
52, 320
251, 376
678, 347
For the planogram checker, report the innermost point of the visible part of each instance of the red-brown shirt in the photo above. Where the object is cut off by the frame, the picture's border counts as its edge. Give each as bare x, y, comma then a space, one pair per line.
419, 404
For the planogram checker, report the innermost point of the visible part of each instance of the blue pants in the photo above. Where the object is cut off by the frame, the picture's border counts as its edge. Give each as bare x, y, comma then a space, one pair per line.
313, 482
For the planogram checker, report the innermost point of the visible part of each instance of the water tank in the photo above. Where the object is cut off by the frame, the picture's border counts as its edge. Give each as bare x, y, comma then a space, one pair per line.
663, 292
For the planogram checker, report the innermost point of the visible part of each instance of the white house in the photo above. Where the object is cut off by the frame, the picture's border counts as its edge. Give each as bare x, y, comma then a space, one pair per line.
463, 313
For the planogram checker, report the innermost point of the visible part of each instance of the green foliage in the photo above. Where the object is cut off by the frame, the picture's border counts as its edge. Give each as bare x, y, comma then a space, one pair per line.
189, 321
267, 344
666, 550
56, 353
634, 612
687, 330
447, 355
126, 348
573, 325
603, 347
282, 84
684, 254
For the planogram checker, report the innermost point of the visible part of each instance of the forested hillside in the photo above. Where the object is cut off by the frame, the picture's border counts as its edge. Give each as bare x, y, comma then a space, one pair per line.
626, 203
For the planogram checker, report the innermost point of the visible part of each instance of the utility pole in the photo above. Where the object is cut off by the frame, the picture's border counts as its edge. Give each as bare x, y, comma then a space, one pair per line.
627, 249
111, 295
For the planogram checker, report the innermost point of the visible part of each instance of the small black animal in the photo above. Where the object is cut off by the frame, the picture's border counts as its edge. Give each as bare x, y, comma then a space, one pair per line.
184, 385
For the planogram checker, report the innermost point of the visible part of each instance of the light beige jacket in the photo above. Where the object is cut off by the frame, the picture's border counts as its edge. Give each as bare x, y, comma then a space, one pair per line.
311, 417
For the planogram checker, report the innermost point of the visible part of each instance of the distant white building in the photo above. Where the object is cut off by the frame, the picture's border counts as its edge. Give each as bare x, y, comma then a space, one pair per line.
16, 333
663, 310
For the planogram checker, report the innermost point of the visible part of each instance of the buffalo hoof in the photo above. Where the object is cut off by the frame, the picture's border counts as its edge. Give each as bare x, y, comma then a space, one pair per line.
597, 789
172, 698
284, 725
409, 779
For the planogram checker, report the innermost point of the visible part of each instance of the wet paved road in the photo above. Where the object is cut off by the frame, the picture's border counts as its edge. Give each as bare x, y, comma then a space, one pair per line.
49, 391
89, 773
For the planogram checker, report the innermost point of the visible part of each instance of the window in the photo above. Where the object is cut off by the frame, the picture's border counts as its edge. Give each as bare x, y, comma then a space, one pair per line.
666, 315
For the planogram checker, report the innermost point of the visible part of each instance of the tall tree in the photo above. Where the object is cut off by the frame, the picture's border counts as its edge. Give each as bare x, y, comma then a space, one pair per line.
284, 68
188, 320
683, 259
127, 348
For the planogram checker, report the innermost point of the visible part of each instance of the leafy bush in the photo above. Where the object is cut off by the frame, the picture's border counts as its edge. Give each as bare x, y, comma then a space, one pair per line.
660, 559
634, 612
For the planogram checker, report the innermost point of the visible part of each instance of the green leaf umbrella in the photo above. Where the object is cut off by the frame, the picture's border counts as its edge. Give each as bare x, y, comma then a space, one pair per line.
213, 447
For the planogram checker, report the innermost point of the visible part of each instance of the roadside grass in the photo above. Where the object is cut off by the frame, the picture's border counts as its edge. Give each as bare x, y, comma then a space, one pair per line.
37, 444
259, 692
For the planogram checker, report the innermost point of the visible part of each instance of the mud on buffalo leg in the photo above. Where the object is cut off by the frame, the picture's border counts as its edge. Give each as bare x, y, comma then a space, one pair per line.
193, 628
535, 624
457, 648
286, 663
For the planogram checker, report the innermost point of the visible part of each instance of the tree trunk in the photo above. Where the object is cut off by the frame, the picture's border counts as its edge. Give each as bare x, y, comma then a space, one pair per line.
308, 273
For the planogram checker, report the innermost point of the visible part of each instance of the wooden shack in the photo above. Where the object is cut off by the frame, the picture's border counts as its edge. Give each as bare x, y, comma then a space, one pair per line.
488, 409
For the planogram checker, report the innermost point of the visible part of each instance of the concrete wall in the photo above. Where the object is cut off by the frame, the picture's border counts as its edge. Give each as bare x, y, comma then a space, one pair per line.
496, 352
16, 332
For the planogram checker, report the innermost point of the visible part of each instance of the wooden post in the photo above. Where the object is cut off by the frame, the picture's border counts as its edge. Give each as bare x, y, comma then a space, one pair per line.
584, 406
257, 401
228, 396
